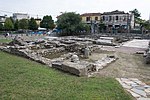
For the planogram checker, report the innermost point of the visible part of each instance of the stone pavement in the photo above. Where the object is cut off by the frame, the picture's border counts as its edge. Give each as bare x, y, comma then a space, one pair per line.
138, 89
136, 43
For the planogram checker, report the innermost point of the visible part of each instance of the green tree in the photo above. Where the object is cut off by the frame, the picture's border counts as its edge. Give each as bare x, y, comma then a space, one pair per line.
69, 23
8, 24
32, 24
11, 18
16, 25
136, 13
82, 28
101, 27
87, 27
23, 24
145, 24
1, 26
47, 22
137, 16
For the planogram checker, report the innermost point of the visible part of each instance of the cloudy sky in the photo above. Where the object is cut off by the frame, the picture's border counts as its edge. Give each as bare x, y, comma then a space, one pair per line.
55, 7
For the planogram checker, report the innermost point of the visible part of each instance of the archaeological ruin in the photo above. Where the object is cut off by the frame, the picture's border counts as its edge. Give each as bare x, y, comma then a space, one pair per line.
70, 54
81, 56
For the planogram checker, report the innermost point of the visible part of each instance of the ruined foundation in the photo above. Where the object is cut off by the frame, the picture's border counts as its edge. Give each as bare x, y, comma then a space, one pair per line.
69, 54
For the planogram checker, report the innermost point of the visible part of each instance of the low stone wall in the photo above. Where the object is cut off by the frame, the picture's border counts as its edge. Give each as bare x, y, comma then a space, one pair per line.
27, 54
73, 68
83, 68
102, 63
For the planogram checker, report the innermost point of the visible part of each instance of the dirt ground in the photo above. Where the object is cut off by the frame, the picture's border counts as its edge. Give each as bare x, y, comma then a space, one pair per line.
127, 66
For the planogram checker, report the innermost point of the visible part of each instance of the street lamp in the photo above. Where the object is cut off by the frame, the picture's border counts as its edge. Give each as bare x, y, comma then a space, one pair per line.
92, 25
128, 22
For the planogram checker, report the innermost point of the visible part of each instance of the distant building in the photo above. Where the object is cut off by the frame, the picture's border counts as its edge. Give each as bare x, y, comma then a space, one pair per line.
19, 16
38, 21
93, 19
2, 19
114, 20
118, 19
89, 18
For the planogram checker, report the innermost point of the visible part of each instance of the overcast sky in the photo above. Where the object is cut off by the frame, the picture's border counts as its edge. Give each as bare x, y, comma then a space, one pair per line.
54, 7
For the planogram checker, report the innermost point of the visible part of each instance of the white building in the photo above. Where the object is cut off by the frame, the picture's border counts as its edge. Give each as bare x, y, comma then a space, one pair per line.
19, 16
2, 19
117, 19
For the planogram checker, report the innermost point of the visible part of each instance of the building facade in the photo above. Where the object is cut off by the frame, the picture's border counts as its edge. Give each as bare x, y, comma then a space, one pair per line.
118, 20
93, 19
19, 16
2, 19
38, 21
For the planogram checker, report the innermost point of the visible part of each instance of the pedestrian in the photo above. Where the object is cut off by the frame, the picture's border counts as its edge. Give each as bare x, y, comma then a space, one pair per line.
7, 34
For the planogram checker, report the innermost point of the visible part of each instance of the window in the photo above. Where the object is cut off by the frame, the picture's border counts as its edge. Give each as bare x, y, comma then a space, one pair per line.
87, 18
106, 18
116, 17
113, 18
96, 18
120, 18
124, 18
110, 18
103, 18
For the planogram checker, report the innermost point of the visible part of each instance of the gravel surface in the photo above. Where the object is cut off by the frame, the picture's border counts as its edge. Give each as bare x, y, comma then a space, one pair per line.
128, 66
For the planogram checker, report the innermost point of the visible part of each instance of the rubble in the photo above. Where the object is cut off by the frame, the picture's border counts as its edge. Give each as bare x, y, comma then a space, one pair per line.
18, 41
75, 58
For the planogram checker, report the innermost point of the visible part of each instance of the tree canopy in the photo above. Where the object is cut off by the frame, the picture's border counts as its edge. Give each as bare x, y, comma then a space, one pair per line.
137, 16
47, 22
1, 26
32, 24
8, 24
140, 21
23, 24
70, 23
145, 24
16, 25
136, 13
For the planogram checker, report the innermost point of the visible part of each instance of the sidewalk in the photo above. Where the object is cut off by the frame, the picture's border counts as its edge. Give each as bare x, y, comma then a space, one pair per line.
138, 89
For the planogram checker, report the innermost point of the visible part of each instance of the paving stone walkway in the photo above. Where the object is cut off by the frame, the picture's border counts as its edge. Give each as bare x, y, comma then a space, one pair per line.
138, 89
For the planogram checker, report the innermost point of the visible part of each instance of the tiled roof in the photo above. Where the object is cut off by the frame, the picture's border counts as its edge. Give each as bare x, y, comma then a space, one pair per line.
2, 16
38, 19
20, 14
114, 12
91, 14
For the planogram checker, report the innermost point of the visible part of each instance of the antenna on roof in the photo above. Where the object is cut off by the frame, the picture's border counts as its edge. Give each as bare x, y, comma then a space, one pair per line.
37, 16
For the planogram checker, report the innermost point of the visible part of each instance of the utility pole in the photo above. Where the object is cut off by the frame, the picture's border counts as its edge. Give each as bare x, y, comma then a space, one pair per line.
149, 17
37, 17
128, 22
92, 26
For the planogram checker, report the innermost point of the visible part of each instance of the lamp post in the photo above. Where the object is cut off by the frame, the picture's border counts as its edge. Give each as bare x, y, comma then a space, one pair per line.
128, 22
92, 26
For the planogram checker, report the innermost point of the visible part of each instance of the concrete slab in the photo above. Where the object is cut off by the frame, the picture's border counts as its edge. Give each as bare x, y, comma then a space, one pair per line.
137, 43
140, 92
143, 98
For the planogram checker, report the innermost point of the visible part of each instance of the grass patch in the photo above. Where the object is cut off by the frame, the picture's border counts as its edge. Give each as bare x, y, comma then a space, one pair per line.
5, 40
21, 78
